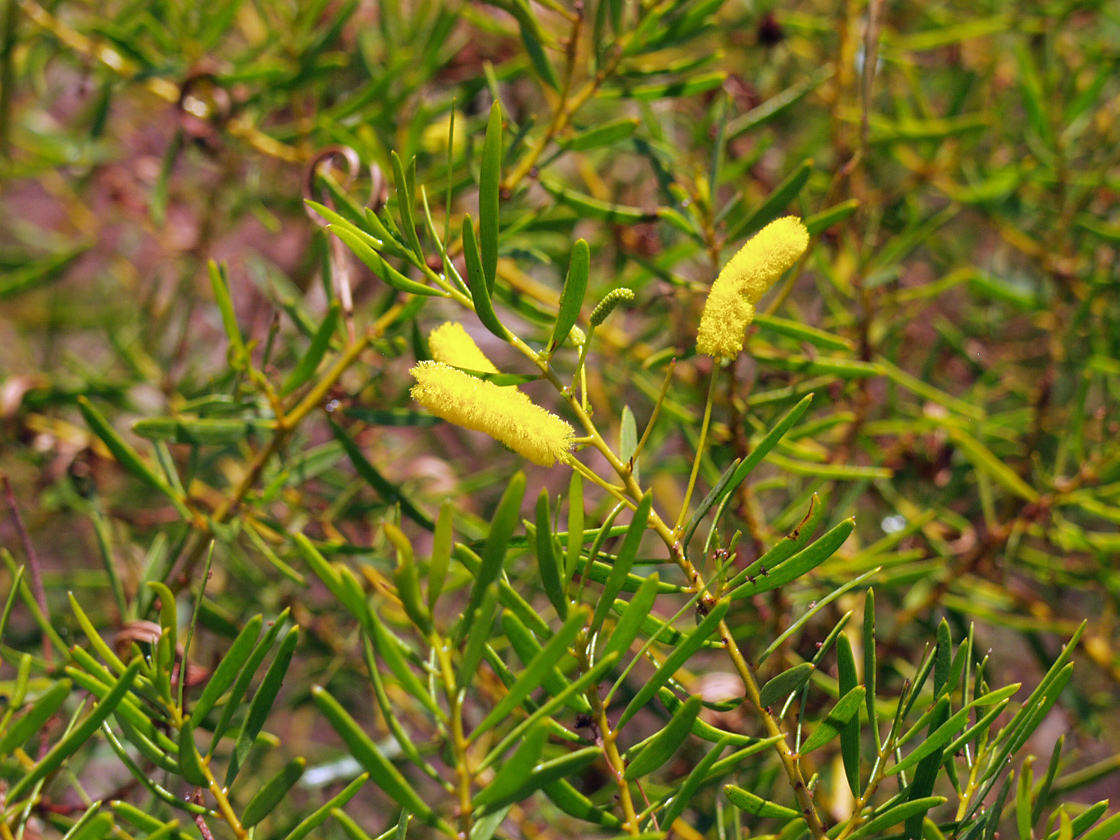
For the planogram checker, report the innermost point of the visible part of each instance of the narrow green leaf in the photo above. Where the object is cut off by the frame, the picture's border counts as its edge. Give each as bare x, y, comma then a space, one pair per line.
527, 648
627, 553
128, 457
571, 296
441, 552
844, 712
804, 561
763, 447
575, 525
606, 134
241, 684
310, 360
99, 644
784, 684
548, 707
1106, 830
476, 278
494, 549
228, 668
715, 494
925, 776
575, 804
317, 817
36, 273
870, 663
896, 814
775, 203
546, 557
391, 650
631, 618
534, 672
77, 737
385, 272
1023, 797
697, 776
666, 742
489, 185
381, 770
628, 442
92, 825
406, 203
190, 762
262, 703
756, 805
802, 332
219, 283
849, 733
593, 208
984, 459
511, 775
822, 221
569, 765
369, 473
32, 721
675, 660
482, 625
406, 576
204, 431
781, 551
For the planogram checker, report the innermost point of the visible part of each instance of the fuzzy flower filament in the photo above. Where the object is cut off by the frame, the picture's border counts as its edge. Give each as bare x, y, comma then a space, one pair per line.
742, 283
506, 414
450, 343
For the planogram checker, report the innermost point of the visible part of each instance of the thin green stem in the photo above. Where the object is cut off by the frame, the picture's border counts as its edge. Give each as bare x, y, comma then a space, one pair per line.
679, 527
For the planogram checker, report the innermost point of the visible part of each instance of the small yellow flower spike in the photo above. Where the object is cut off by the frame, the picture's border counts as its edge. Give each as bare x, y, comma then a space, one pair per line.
451, 344
506, 414
743, 281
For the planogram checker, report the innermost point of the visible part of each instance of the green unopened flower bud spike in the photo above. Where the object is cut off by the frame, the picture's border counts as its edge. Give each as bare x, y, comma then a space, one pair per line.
598, 315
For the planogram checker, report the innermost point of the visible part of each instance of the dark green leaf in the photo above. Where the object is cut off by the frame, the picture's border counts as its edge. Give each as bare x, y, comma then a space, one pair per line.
756, 805
381, 770
489, 186
317, 817
623, 562
785, 684
320, 343
696, 777
262, 703
571, 296
480, 293
546, 557
631, 618
32, 721
675, 660
662, 747
76, 737
228, 668
844, 712
511, 775
849, 734
896, 814
534, 673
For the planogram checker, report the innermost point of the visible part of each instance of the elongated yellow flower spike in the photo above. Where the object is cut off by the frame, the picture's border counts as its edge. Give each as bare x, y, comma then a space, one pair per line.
506, 414
451, 344
743, 281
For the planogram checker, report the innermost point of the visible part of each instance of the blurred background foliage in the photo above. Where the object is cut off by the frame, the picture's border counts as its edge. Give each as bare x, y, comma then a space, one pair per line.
958, 167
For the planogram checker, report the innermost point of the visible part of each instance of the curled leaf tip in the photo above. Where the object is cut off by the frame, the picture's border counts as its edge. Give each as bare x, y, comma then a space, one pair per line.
743, 282
504, 413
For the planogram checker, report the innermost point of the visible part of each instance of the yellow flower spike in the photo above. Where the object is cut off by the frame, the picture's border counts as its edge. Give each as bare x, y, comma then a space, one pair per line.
743, 281
451, 344
506, 414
